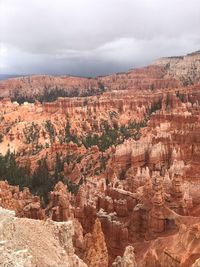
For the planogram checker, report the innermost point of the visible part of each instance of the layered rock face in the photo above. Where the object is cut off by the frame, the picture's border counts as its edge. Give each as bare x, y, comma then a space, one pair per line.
172, 135
148, 78
120, 102
184, 68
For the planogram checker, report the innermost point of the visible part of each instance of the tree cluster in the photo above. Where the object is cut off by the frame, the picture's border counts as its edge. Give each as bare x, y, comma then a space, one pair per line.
40, 183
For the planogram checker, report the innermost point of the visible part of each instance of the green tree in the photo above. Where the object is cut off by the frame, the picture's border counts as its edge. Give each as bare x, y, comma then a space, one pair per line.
50, 129
1, 137
59, 166
41, 182
12, 172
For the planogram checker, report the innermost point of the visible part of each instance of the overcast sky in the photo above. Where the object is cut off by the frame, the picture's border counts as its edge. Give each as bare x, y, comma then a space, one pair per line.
94, 37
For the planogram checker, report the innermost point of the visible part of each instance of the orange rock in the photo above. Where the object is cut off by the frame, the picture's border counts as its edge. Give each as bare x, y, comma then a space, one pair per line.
96, 254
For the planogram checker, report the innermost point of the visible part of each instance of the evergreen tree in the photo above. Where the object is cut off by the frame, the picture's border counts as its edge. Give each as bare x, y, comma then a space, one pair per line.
41, 182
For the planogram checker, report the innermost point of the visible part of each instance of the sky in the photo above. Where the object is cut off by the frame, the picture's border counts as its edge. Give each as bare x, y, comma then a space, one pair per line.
94, 37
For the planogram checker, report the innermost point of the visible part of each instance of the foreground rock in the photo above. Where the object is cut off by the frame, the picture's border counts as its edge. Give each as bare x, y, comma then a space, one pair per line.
34, 243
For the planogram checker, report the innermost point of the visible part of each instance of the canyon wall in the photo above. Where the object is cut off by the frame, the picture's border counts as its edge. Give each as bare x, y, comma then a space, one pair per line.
132, 202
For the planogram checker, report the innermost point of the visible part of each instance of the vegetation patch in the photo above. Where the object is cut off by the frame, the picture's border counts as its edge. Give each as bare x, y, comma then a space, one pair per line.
40, 183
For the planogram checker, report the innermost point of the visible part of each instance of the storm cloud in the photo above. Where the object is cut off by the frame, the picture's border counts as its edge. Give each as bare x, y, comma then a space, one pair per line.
94, 37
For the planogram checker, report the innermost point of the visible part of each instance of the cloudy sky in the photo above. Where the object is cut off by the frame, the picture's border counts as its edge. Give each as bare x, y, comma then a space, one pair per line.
94, 37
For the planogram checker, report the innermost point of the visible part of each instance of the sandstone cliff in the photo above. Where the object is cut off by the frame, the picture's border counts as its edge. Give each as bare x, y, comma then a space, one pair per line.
184, 68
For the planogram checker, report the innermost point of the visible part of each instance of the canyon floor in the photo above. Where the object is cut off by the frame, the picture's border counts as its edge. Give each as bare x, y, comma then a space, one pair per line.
102, 171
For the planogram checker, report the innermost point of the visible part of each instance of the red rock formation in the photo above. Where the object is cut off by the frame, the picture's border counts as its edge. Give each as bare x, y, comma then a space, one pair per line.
96, 254
181, 249
142, 188
22, 202
59, 208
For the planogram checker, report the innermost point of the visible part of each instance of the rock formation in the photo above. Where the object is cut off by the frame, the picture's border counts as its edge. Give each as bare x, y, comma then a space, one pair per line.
181, 249
120, 161
185, 68
25, 242
96, 254
169, 72
59, 208
22, 202
128, 259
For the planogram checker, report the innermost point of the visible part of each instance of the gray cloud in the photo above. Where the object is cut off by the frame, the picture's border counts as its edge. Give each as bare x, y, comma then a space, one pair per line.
94, 37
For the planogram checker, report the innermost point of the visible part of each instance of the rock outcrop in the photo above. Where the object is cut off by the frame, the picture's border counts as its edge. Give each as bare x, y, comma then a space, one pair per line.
31, 243
128, 259
59, 208
181, 249
22, 202
96, 254
184, 68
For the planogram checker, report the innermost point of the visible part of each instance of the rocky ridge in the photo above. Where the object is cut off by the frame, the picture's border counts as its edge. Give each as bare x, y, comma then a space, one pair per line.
185, 68
33, 243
